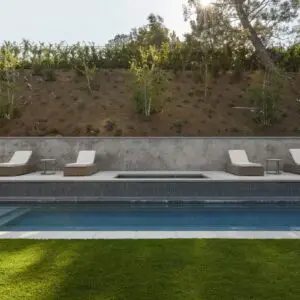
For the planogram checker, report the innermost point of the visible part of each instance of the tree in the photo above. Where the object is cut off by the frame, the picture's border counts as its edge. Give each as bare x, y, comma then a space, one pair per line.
272, 16
149, 78
261, 20
119, 40
154, 33
253, 36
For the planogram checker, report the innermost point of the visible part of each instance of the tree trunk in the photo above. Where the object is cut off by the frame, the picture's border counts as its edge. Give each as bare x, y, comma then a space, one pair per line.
260, 48
257, 43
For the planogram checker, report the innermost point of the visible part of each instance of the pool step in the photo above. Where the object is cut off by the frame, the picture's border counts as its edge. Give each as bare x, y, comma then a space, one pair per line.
12, 214
6, 210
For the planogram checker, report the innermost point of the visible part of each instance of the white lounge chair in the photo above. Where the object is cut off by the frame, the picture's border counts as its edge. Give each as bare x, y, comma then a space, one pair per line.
240, 165
294, 164
19, 164
84, 166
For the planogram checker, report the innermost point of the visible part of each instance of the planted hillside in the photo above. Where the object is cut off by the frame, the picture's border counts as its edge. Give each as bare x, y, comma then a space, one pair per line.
224, 78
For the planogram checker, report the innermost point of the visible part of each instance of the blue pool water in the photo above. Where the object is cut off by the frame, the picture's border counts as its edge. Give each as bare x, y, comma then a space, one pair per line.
149, 217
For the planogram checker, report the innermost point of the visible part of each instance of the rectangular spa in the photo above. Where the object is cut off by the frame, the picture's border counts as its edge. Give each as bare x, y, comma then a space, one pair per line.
160, 176
147, 216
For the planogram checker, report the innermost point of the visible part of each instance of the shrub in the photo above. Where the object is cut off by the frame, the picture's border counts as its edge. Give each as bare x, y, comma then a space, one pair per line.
178, 125
37, 70
266, 98
9, 63
4, 108
109, 124
150, 79
49, 74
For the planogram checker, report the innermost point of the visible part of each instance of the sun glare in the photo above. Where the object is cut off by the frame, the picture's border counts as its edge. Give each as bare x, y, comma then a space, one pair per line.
205, 3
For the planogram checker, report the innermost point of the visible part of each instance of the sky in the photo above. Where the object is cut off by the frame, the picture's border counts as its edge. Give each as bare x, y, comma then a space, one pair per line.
89, 20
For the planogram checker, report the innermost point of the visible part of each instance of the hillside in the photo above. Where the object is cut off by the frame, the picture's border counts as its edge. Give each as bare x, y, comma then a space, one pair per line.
64, 107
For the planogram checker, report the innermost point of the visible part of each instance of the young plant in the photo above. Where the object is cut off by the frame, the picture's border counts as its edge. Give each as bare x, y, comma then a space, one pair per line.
149, 78
266, 98
9, 63
89, 72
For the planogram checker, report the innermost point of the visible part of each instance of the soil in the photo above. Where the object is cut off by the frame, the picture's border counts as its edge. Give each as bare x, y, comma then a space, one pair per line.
65, 107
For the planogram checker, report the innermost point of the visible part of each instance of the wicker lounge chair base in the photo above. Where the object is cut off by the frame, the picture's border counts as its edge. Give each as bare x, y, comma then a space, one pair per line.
15, 170
74, 171
246, 170
291, 168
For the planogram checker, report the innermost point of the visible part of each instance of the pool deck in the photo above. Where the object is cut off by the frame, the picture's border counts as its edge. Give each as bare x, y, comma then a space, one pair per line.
111, 177
147, 235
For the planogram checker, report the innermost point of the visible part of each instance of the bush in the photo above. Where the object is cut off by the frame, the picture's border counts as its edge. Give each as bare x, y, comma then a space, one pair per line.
7, 109
4, 108
178, 125
138, 98
79, 70
198, 76
266, 98
49, 74
37, 70
150, 79
237, 74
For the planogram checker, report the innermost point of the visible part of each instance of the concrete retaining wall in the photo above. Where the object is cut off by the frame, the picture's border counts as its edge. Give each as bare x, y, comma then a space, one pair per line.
190, 154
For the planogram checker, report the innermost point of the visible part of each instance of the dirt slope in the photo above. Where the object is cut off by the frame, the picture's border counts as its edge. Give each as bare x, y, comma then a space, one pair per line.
65, 108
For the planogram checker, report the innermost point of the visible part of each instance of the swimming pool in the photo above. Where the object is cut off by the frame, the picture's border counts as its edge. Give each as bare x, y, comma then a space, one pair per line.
151, 217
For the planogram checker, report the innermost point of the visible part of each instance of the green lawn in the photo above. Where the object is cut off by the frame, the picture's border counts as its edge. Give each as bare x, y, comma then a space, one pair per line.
137, 270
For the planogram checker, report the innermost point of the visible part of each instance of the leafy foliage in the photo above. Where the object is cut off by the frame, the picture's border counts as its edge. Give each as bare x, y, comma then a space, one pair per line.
266, 97
149, 78
217, 43
9, 74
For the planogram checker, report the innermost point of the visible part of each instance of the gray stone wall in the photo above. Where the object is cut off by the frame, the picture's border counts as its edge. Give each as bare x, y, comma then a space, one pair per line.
182, 154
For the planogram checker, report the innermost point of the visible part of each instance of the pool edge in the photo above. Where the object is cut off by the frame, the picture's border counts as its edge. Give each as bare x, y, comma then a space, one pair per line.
148, 235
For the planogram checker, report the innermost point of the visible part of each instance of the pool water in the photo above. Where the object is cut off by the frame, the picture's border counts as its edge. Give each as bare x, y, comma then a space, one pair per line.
150, 217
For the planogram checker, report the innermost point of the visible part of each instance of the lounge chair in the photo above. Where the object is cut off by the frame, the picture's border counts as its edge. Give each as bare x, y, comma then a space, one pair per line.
19, 164
240, 165
84, 166
293, 166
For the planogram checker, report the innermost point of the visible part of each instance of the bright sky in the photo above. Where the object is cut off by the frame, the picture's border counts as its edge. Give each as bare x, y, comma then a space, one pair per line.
88, 20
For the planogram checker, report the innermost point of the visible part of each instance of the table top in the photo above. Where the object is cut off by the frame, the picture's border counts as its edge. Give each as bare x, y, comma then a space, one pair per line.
48, 159
274, 159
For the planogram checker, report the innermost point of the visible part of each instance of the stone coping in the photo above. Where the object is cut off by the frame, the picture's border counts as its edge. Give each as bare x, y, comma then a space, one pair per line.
110, 176
147, 235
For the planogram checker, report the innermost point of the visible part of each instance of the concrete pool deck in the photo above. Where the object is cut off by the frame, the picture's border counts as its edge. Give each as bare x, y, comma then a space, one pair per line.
111, 177
148, 235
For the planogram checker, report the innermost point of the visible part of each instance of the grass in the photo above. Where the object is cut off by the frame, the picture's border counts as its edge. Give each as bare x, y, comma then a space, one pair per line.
169, 269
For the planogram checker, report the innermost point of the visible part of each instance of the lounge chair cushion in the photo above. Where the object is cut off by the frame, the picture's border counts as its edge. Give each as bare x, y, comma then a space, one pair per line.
86, 157
295, 153
19, 158
238, 157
